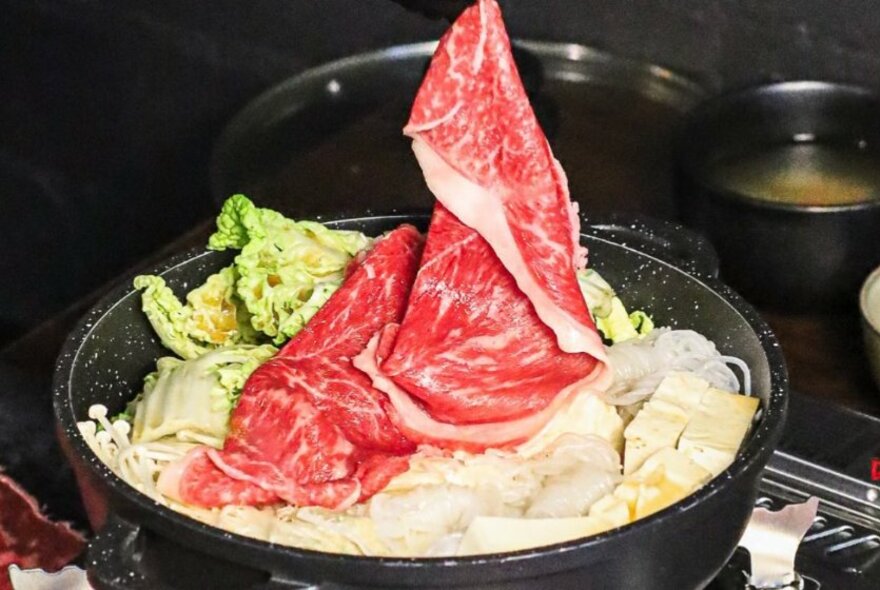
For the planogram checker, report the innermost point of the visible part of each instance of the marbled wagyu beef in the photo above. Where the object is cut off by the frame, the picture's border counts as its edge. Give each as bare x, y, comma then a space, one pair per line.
496, 335
309, 428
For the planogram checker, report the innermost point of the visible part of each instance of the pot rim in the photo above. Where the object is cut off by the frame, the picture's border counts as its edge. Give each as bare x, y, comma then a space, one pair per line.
762, 440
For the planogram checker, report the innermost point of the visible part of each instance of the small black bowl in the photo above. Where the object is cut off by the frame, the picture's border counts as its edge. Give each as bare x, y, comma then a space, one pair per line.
790, 256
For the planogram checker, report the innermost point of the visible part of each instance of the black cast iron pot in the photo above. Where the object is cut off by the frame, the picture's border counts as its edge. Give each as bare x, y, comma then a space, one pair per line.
143, 545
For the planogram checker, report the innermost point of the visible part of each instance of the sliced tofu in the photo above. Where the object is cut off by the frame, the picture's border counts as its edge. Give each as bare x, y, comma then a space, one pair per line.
611, 510
684, 435
661, 421
681, 389
716, 431
665, 478
493, 534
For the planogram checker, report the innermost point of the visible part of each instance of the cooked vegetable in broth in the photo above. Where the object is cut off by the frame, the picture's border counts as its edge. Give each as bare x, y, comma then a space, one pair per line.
806, 173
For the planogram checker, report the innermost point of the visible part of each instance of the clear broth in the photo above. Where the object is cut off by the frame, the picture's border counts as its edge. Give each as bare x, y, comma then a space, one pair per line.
814, 174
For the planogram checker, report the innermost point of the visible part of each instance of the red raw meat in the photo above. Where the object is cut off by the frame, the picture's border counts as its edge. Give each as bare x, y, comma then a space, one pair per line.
309, 428
27, 538
497, 335
471, 346
486, 159
485, 371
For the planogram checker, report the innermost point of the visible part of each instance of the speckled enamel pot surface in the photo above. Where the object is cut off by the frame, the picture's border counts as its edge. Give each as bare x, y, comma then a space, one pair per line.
658, 267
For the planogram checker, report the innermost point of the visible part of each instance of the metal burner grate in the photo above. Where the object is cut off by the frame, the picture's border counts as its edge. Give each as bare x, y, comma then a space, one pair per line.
841, 550
850, 548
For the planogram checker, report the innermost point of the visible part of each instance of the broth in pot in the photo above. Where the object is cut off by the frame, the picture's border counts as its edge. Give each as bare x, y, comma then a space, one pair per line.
806, 173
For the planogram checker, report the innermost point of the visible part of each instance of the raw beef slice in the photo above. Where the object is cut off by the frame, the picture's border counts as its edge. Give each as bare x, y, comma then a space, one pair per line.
309, 428
27, 538
497, 335
486, 159
472, 366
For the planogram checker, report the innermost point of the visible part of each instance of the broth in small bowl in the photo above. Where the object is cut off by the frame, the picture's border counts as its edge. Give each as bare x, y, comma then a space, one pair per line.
805, 173
784, 179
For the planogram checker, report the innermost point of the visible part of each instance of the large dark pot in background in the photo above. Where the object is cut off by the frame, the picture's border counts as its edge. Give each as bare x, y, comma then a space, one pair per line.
324, 139
143, 545
792, 257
